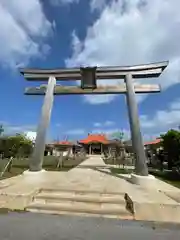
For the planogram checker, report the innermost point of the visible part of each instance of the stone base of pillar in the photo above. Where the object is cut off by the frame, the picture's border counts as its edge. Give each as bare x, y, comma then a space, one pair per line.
31, 173
144, 181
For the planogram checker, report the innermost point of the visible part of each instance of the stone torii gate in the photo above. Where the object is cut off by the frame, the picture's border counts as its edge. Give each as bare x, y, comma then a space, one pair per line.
88, 77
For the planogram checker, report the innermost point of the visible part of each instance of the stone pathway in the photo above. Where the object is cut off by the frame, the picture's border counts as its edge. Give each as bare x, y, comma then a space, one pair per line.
91, 175
93, 160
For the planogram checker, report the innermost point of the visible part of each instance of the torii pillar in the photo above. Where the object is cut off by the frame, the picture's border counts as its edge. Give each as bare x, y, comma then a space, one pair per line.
88, 78
137, 142
36, 160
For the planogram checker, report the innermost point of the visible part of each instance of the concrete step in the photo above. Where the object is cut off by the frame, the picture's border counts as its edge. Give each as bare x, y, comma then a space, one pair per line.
69, 207
80, 197
80, 202
79, 191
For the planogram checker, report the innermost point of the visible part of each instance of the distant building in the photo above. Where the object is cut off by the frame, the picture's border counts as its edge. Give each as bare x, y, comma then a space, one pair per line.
155, 144
56, 148
98, 143
93, 144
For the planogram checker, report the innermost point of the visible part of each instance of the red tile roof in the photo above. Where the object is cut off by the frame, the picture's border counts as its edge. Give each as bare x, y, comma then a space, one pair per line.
95, 138
156, 141
62, 143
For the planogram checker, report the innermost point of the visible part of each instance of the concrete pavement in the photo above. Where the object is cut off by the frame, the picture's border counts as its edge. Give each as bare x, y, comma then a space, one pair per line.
94, 175
46, 227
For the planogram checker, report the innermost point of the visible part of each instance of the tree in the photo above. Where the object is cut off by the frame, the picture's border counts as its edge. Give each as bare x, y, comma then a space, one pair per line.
1, 129
118, 135
16, 146
171, 147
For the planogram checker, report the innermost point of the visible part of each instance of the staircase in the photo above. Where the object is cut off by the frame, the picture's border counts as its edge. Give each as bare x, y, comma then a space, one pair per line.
87, 203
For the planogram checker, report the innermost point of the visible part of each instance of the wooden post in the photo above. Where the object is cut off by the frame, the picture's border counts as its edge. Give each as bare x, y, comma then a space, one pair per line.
90, 150
36, 161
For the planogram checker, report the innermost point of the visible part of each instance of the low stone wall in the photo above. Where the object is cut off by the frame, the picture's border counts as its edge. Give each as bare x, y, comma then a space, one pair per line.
149, 210
12, 202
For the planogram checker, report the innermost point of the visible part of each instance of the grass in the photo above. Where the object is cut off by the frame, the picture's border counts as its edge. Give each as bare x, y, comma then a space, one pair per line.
111, 161
170, 177
14, 172
121, 171
67, 165
49, 164
174, 183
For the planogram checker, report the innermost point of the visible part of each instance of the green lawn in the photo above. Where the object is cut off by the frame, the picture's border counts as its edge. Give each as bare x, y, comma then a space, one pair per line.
170, 177
14, 172
174, 183
111, 161
49, 164
121, 170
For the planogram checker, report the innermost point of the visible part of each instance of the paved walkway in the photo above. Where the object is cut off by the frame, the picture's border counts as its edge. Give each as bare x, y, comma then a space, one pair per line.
93, 160
91, 175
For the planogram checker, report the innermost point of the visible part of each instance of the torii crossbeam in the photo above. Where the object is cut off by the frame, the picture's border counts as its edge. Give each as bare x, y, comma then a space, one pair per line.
88, 77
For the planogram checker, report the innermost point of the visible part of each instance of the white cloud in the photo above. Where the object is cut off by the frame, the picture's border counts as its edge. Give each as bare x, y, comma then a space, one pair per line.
97, 124
14, 128
75, 131
107, 123
97, 4
110, 131
163, 119
99, 99
151, 126
132, 32
147, 136
31, 135
60, 2
23, 26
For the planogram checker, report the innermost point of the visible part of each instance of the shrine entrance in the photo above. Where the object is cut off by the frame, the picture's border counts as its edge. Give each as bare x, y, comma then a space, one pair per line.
89, 77
95, 149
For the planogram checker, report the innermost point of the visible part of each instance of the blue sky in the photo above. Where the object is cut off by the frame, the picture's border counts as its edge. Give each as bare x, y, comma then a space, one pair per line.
68, 33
